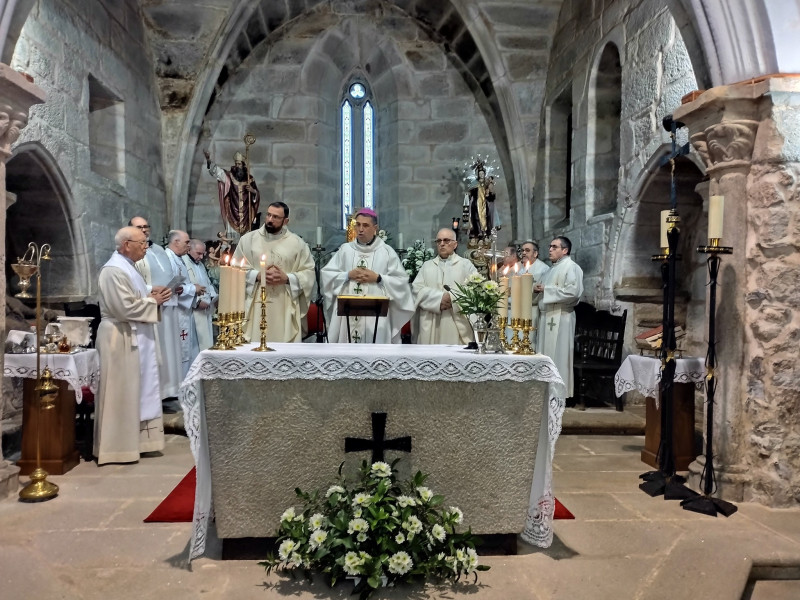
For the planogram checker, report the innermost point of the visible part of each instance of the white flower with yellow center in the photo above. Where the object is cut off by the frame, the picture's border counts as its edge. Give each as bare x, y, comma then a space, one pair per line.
425, 493
474, 278
361, 499
357, 512
404, 501
288, 514
357, 526
352, 562
490, 286
438, 532
412, 525
455, 511
286, 548
317, 537
380, 469
399, 538
316, 521
400, 563
334, 489
362, 537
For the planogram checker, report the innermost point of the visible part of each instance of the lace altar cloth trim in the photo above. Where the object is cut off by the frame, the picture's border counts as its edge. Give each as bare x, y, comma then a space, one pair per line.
379, 362
78, 370
643, 373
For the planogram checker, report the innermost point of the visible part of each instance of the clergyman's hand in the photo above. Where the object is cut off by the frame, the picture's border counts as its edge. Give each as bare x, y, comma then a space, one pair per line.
275, 276
161, 294
446, 303
199, 289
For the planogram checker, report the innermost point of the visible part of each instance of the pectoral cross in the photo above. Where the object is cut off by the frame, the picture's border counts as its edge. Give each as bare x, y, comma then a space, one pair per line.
184, 334
362, 264
378, 444
552, 323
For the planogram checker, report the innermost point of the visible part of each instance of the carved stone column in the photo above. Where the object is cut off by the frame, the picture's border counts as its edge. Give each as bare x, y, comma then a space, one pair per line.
17, 95
747, 134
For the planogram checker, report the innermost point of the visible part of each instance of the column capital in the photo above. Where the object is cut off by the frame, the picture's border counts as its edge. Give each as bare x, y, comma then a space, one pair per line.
17, 95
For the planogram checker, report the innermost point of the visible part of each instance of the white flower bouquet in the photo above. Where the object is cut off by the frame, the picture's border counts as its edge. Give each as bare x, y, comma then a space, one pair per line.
477, 295
416, 254
376, 529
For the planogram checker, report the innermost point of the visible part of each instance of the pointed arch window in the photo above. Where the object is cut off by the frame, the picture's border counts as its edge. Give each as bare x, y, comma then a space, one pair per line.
357, 149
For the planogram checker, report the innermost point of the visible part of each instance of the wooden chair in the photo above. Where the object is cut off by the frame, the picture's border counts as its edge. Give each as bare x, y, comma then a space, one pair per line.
599, 336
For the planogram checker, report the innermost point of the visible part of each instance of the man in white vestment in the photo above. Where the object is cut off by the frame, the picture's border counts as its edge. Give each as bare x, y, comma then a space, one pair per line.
366, 267
537, 268
202, 336
288, 273
557, 295
186, 291
127, 418
439, 320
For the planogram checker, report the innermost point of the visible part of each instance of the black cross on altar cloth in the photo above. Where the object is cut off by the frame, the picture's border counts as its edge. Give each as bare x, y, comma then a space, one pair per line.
378, 443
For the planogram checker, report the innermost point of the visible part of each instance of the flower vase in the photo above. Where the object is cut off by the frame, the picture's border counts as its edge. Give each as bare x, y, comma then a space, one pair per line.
481, 330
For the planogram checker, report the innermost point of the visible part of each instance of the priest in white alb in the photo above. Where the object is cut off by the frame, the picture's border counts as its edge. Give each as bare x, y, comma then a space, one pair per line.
438, 319
537, 268
127, 418
288, 277
366, 267
557, 295
202, 337
157, 270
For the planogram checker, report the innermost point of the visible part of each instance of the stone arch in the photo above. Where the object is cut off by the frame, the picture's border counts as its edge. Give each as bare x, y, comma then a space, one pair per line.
43, 213
13, 14
603, 152
635, 278
251, 24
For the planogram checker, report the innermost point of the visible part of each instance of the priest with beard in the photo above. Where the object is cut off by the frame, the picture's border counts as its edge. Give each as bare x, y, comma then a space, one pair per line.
288, 273
366, 267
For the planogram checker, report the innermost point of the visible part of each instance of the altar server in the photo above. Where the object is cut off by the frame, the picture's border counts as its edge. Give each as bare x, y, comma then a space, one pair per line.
557, 295
438, 320
288, 273
366, 267
128, 415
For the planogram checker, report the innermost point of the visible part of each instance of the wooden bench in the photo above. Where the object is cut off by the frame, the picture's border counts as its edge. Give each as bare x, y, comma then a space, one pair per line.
599, 336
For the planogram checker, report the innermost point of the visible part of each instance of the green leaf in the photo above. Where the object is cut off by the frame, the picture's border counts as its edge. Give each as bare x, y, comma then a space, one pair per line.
374, 582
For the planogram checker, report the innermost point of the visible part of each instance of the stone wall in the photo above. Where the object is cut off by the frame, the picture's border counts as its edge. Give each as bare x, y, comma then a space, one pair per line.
63, 45
655, 72
288, 94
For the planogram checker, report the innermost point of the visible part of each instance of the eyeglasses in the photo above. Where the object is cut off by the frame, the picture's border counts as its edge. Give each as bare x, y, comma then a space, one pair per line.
142, 226
443, 241
140, 242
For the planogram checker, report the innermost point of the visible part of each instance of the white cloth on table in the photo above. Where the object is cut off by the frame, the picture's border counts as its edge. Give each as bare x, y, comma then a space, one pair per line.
376, 362
643, 374
78, 368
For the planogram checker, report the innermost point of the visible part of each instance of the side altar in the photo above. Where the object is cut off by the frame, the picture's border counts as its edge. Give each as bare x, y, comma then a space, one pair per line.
261, 424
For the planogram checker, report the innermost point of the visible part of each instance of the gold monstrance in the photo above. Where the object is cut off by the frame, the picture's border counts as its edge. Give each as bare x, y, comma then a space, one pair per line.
38, 489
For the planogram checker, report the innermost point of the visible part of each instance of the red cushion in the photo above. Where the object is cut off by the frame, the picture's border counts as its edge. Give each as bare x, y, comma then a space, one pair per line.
313, 324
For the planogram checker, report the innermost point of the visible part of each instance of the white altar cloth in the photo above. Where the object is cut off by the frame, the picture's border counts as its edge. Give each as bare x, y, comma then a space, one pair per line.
643, 373
377, 362
78, 369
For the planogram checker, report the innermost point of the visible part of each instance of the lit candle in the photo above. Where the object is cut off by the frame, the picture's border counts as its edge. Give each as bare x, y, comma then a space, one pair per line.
224, 287
400, 240
526, 294
516, 297
502, 307
319, 238
664, 229
716, 209
242, 281
263, 264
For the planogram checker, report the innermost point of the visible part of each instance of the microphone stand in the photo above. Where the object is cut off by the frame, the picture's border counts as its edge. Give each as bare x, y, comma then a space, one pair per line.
322, 331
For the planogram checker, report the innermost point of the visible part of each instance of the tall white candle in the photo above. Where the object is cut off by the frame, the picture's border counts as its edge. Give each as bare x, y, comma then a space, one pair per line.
716, 210
502, 307
664, 229
319, 236
242, 281
224, 288
263, 270
526, 295
400, 240
516, 297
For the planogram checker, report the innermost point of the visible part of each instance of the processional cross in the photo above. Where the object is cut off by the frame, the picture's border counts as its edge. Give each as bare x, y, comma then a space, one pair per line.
378, 444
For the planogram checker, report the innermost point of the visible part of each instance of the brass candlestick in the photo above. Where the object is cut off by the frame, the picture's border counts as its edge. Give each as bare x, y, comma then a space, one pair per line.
502, 323
224, 321
38, 489
526, 325
263, 325
515, 336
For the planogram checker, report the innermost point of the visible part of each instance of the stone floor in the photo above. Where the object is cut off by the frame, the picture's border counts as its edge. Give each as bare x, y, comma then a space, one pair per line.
90, 541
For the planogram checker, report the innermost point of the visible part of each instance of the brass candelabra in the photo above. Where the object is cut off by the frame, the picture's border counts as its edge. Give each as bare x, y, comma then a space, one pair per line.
263, 325
38, 489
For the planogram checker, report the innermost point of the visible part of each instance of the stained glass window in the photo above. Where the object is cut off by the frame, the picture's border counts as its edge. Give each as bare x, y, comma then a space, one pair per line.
358, 149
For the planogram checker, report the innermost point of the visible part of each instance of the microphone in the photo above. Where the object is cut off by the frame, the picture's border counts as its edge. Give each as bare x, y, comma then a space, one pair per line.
447, 288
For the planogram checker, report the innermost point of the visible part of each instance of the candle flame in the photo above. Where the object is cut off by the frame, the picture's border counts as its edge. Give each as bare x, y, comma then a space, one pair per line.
227, 259
516, 268
263, 258
505, 270
527, 265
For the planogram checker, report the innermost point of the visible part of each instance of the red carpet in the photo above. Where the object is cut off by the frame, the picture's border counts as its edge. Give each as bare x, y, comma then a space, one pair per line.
178, 506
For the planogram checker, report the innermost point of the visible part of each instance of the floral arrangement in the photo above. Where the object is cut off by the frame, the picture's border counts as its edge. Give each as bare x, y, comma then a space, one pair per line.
385, 236
416, 254
477, 295
377, 530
